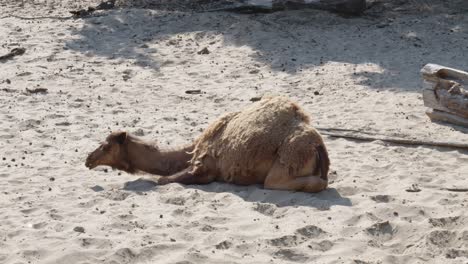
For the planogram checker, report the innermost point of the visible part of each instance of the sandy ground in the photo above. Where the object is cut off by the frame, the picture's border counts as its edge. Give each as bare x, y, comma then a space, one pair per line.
129, 69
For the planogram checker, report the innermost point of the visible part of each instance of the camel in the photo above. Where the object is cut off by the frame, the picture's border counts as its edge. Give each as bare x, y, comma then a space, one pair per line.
271, 142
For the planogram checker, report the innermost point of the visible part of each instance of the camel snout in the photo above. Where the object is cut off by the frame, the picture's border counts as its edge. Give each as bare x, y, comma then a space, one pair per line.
89, 163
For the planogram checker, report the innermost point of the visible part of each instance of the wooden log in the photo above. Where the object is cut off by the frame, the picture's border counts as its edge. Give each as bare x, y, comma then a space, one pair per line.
444, 91
441, 116
457, 103
431, 101
433, 72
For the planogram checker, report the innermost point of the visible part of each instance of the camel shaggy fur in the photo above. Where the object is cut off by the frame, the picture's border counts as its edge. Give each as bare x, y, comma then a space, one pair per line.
271, 142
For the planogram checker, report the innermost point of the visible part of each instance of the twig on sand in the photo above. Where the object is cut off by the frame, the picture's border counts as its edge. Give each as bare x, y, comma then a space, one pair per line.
14, 52
456, 189
36, 90
38, 17
358, 135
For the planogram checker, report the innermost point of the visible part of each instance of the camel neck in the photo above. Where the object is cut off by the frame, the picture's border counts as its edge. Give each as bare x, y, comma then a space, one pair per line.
149, 158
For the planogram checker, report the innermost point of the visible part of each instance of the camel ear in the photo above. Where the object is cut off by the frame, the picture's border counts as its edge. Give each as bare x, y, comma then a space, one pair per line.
120, 137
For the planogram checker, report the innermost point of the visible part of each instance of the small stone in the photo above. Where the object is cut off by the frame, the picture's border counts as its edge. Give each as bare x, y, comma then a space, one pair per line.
193, 91
51, 179
316, 93
79, 229
204, 51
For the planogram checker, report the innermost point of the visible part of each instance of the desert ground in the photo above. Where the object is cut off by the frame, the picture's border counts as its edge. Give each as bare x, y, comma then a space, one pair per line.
129, 69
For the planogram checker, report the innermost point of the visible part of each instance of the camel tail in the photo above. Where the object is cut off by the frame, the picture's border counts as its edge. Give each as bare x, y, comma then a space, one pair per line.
324, 162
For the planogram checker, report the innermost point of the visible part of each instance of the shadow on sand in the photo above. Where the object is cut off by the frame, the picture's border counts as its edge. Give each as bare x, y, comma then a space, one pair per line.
318, 37
322, 201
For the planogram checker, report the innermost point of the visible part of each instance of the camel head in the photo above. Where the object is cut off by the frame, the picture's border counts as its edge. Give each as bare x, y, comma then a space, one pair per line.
112, 152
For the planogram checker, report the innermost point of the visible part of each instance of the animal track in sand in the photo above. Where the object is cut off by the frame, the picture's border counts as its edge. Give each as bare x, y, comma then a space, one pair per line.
441, 238
310, 231
175, 201
445, 221
456, 253
323, 246
224, 245
286, 241
302, 235
208, 228
384, 231
291, 255
116, 195
264, 208
182, 211
382, 198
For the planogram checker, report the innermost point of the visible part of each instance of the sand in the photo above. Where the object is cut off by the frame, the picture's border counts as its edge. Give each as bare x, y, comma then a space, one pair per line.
129, 68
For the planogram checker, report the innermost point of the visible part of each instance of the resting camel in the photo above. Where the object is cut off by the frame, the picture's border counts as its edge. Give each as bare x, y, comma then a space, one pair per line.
270, 142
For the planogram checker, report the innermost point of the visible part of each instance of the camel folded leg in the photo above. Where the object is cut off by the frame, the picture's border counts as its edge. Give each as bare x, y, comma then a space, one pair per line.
187, 176
279, 178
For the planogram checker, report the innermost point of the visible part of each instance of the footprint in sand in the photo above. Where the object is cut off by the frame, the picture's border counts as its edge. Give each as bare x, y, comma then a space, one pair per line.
456, 253
302, 234
382, 198
446, 221
224, 245
175, 201
323, 246
383, 231
310, 231
441, 238
116, 195
286, 241
291, 255
264, 208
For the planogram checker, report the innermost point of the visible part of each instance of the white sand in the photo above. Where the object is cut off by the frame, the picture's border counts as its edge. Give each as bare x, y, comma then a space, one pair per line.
129, 69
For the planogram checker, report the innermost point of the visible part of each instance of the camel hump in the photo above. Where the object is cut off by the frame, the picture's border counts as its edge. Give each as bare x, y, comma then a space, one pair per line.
324, 161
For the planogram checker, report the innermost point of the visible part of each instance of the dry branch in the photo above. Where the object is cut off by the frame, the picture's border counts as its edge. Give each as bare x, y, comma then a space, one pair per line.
394, 140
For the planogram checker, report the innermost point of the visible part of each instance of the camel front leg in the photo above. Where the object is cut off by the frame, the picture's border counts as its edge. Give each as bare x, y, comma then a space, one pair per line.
187, 176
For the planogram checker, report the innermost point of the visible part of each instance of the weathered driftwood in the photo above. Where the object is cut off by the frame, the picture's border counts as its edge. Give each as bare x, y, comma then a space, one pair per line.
352, 7
446, 117
445, 93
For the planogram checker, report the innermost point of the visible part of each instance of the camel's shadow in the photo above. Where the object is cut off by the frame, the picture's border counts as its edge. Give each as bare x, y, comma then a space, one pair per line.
255, 193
